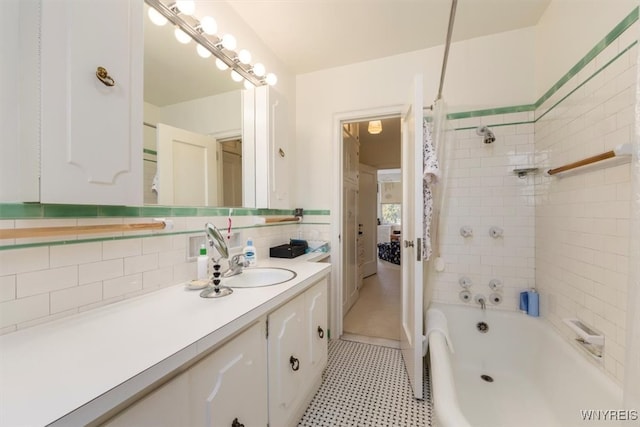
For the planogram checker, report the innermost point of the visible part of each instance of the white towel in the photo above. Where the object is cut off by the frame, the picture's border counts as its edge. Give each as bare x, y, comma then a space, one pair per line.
436, 322
155, 184
431, 175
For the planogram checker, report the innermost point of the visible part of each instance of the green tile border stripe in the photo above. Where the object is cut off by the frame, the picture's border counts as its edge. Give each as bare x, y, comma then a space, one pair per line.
151, 152
629, 20
491, 112
598, 71
47, 211
142, 236
612, 36
498, 125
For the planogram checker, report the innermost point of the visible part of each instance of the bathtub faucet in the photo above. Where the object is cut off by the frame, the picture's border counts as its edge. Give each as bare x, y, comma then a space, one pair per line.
482, 301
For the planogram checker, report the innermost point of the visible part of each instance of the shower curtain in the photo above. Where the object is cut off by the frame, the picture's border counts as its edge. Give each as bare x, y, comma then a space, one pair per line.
632, 362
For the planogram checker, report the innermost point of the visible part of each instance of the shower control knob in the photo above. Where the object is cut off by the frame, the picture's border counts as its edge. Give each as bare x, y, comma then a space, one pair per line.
464, 282
465, 296
495, 298
466, 231
496, 232
495, 284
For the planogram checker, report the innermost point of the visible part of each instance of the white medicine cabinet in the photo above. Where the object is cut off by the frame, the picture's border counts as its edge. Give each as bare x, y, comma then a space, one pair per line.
79, 97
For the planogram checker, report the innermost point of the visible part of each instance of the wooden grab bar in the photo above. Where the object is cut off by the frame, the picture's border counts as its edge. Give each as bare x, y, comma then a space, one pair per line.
18, 233
619, 151
281, 219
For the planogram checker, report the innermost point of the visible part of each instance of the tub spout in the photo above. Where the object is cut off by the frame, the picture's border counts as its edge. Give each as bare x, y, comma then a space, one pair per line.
480, 299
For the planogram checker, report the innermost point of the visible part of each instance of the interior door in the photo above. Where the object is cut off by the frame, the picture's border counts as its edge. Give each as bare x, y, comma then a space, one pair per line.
187, 168
412, 287
350, 173
368, 184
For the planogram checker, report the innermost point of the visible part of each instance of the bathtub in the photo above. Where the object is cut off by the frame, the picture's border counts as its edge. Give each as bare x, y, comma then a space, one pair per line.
539, 380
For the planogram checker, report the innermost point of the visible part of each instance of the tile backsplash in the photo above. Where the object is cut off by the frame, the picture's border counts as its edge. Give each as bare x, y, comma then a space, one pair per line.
45, 279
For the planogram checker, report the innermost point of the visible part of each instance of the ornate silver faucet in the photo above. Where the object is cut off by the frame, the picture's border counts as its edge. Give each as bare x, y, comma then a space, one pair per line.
236, 264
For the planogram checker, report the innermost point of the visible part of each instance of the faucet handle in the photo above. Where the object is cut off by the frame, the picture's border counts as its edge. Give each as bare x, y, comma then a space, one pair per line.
235, 260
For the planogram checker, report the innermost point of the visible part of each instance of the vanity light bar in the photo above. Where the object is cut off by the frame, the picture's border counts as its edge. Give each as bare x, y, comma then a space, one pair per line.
216, 49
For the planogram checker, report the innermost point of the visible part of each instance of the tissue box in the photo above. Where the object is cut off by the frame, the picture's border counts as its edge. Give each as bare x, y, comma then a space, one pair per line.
287, 251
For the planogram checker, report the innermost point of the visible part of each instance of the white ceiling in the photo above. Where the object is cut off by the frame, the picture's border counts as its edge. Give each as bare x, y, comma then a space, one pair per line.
310, 35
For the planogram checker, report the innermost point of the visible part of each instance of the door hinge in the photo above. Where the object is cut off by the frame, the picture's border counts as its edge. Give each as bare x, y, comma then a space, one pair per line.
266, 328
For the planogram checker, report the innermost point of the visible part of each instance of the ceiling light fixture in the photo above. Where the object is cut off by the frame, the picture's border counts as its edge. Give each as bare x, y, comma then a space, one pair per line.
375, 127
223, 48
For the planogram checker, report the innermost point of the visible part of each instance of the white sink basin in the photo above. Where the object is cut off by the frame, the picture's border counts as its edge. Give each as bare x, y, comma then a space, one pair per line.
259, 276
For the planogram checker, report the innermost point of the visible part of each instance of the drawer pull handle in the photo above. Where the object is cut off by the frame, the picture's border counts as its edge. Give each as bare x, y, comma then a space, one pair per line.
236, 423
281, 152
320, 332
295, 363
103, 75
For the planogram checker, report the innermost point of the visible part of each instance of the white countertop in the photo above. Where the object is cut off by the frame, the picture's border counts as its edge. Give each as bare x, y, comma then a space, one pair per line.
83, 365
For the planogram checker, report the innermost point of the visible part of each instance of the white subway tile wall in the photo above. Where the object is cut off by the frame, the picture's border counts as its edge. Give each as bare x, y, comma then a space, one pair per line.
43, 283
482, 191
582, 217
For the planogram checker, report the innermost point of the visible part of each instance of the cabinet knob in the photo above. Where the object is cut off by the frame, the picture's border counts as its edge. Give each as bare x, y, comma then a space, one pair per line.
320, 332
103, 75
236, 423
295, 363
281, 152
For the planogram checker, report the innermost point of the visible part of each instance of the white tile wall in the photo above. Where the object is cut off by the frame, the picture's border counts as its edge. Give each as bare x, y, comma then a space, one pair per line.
482, 191
44, 283
582, 217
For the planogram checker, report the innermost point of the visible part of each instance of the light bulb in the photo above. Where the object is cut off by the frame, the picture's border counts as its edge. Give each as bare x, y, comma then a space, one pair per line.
209, 25
271, 79
229, 42
188, 7
236, 77
221, 64
203, 51
156, 17
248, 85
181, 36
244, 56
259, 70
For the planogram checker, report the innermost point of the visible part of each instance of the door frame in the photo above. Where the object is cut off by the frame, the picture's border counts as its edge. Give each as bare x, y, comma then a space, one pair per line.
336, 316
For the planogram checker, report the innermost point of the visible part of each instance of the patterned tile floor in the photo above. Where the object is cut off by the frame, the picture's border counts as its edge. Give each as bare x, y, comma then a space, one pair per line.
366, 385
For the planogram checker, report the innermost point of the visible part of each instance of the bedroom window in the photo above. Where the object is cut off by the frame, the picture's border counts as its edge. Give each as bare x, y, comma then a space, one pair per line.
391, 213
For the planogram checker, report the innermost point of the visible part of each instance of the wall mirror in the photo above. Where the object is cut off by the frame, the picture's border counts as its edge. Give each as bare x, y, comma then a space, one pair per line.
193, 122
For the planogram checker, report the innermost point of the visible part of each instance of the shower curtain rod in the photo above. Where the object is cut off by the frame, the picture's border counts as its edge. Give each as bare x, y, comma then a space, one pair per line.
452, 16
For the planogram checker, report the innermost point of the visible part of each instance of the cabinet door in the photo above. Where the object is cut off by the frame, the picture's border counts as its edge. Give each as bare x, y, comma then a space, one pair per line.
231, 383
91, 133
287, 361
272, 153
316, 312
166, 406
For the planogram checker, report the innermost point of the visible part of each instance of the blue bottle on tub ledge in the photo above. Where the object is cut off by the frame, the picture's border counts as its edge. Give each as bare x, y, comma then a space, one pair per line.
530, 302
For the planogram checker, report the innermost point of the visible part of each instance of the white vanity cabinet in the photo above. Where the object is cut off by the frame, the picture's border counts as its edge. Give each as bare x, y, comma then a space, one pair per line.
272, 155
297, 354
227, 388
91, 126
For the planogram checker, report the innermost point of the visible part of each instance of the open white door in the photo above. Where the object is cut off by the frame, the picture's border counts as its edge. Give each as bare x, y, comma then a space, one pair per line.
368, 232
411, 256
187, 168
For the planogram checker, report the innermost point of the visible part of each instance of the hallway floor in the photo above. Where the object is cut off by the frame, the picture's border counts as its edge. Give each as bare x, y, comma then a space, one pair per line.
376, 313
366, 385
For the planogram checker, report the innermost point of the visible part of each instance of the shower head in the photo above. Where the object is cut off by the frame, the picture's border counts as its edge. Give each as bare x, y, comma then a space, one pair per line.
486, 133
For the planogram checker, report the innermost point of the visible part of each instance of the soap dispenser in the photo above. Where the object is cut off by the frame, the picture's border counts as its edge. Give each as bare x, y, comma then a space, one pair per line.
249, 253
203, 264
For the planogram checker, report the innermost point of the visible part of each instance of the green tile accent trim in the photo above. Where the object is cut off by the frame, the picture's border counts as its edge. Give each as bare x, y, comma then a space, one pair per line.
38, 210
629, 20
150, 161
491, 112
70, 211
20, 210
138, 236
147, 151
499, 125
588, 79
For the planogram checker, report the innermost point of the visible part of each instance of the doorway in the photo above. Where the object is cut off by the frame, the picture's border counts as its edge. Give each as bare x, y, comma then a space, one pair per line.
372, 194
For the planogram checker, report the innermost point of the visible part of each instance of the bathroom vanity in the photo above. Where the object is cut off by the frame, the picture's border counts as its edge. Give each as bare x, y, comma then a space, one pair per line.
173, 358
